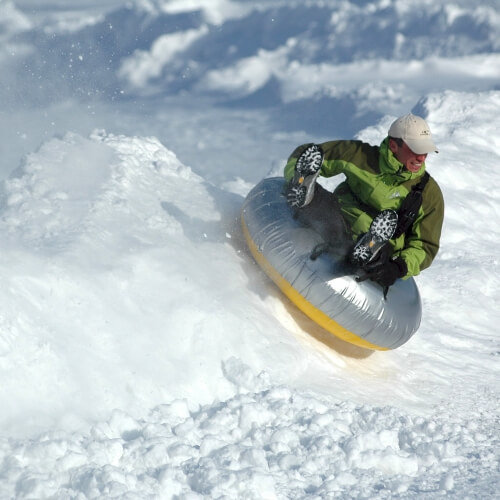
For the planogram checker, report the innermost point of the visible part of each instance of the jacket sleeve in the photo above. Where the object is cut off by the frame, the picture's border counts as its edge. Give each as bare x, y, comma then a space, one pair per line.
337, 155
421, 245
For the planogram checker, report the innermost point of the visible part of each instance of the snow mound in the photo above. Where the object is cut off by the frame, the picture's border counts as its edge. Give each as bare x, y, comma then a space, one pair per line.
129, 268
253, 446
89, 189
100, 241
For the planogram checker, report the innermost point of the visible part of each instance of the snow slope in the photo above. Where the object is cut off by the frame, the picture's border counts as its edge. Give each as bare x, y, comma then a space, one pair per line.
142, 351
118, 304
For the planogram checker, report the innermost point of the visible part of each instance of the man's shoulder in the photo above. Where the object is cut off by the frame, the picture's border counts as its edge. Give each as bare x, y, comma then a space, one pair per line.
350, 149
433, 191
432, 182
350, 143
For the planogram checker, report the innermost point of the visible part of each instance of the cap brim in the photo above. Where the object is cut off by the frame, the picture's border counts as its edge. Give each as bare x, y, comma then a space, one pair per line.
422, 146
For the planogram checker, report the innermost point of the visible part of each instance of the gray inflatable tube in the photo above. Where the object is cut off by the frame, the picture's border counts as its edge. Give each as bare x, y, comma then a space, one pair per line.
354, 312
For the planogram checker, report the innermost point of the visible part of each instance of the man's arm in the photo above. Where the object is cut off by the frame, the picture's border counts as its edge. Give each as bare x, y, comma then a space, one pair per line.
422, 243
337, 155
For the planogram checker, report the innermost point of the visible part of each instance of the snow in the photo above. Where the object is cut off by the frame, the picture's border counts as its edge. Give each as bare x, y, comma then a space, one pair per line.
143, 66
142, 351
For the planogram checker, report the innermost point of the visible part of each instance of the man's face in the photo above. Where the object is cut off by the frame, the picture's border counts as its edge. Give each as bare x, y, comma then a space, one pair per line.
412, 161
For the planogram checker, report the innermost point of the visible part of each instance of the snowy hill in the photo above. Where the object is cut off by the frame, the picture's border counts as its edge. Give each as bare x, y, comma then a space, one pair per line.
142, 351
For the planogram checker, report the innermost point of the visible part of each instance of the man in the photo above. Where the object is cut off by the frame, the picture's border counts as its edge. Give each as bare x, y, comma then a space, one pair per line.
378, 180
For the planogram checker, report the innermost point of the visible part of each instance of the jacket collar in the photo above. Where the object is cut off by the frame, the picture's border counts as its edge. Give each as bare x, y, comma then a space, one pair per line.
389, 164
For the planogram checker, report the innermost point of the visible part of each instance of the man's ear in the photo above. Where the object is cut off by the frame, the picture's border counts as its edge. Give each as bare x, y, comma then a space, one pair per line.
393, 145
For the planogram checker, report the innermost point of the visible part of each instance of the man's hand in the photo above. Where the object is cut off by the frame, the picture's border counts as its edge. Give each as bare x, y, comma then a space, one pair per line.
385, 273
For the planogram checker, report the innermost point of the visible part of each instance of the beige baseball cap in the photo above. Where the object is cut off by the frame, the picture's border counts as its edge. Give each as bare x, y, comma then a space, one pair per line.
415, 132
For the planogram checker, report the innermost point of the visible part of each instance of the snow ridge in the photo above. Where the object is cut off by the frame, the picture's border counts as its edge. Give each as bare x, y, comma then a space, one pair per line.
253, 446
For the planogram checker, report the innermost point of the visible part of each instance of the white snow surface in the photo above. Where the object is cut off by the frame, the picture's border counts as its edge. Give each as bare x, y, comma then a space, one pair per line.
143, 354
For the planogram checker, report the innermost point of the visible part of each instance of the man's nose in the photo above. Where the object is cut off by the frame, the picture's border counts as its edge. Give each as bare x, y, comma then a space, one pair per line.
421, 158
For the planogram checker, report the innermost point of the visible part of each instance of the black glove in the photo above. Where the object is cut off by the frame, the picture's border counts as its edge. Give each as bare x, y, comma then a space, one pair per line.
385, 273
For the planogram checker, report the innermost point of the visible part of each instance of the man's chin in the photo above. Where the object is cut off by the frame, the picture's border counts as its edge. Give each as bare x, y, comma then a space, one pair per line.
414, 168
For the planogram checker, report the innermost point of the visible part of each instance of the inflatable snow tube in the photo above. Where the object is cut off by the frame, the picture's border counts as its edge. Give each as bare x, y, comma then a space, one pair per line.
354, 312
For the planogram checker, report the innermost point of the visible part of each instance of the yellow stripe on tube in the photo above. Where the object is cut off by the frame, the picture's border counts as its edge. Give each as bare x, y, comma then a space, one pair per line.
304, 305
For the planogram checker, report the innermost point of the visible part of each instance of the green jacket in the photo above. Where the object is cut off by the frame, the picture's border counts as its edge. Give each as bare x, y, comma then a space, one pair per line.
375, 181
